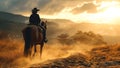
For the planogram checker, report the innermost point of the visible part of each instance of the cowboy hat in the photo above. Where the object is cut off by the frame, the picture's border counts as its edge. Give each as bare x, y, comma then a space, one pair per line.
35, 9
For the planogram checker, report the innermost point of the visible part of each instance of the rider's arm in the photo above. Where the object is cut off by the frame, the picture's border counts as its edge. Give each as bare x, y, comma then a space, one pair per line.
30, 19
39, 20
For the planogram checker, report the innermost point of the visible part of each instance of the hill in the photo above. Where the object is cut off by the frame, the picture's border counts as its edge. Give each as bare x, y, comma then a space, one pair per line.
99, 57
12, 17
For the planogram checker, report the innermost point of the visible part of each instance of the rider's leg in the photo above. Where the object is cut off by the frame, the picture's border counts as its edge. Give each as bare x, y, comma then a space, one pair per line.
44, 35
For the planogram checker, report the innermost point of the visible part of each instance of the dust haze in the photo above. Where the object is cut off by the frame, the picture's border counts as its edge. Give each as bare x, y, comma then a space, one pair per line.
110, 32
65, 38
61, 46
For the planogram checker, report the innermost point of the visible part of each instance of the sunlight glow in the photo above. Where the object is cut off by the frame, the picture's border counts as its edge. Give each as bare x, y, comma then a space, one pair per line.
108, 13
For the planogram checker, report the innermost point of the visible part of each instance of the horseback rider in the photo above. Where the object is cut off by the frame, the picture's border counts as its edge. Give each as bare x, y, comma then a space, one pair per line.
35, 20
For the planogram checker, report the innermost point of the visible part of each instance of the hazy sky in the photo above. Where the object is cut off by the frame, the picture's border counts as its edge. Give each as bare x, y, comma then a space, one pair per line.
94, 11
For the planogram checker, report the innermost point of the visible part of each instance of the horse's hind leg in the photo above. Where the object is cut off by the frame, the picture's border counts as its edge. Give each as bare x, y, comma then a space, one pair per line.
30, 50
27, 50
41, 49
35, 50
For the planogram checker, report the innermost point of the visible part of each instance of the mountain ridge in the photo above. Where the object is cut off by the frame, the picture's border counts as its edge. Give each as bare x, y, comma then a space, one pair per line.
12, 17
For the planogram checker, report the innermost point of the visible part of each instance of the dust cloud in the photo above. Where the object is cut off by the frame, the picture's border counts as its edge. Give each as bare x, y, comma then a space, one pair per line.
62, 46
51, 52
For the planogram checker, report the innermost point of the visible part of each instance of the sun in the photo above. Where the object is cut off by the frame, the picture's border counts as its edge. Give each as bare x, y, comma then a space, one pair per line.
111, 9
108, 13
111, 12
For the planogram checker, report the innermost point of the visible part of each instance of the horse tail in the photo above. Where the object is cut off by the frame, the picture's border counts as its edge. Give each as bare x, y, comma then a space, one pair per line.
27, 38
28, 34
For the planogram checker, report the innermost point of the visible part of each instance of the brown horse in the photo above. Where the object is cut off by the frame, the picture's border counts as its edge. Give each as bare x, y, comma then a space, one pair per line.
32, 36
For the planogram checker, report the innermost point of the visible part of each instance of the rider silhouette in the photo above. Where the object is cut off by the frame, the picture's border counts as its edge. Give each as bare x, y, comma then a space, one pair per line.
35, 20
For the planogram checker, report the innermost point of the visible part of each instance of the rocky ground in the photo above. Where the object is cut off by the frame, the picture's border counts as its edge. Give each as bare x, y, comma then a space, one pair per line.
101, 57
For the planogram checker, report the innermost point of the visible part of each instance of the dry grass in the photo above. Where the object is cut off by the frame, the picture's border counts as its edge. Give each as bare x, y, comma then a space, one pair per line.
10, 50
99, 57
105, 56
